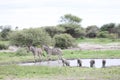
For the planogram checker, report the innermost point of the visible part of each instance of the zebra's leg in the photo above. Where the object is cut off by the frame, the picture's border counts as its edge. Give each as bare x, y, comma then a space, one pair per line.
79, 62
103, 63
92, 63
34, 54
59, 58
48, 58
35, 59
63, 61
40, 60
67, 63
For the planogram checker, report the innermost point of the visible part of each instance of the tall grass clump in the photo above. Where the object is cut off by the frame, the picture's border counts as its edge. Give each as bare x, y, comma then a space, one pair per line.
21, 52
64, 41
3, 46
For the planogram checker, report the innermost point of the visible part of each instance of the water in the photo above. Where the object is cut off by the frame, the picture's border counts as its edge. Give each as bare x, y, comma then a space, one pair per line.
98, 62
85, 63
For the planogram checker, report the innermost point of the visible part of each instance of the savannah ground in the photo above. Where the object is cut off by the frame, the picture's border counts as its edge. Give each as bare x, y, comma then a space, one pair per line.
15, 72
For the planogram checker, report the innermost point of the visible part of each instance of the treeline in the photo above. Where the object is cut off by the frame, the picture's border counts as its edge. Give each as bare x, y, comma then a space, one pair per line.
62, 35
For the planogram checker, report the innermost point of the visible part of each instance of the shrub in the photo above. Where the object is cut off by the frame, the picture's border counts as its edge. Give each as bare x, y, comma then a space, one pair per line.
103, 34
113, 36
73, 29
3, 46
64, 41
53, 30
21, 52
91, 31
36, 36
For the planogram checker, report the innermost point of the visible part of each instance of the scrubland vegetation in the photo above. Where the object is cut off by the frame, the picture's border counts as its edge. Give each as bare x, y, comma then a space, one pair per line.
69, 33
57, 73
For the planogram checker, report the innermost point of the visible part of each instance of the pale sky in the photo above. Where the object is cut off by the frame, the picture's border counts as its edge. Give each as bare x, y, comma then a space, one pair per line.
37, 13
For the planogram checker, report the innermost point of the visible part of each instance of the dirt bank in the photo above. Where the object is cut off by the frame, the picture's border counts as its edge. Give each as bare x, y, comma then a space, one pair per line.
88, 46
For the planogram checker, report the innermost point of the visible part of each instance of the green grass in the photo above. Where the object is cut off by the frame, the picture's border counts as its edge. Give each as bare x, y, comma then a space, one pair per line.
5, 42
92, 54
58, 73
97, 40
10, 57
16, 72
6, 57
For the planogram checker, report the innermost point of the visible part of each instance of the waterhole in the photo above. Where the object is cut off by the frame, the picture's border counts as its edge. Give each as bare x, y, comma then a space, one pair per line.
73, 63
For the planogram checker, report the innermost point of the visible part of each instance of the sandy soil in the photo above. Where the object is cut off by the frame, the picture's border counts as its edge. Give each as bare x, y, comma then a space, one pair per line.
11, 49
55, 78
88, 46
81, 46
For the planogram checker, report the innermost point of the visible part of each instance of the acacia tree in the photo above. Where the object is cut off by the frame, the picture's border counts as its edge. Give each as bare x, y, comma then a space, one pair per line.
5, 30
117, 30
71, 24
91, 31
36, 36
112, 28
108, 27
69, 18
53, 30
64, 41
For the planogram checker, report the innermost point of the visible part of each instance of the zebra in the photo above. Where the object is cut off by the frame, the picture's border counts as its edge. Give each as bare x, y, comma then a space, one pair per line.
52, 51
36, 52
65, 62
103, 63
79, 62
92, 63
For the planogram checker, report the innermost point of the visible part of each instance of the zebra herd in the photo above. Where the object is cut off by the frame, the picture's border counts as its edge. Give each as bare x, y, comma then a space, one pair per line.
56, 51
79, 62
38, 52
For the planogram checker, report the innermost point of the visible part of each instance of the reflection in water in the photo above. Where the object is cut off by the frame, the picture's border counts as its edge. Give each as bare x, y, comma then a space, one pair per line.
85, 63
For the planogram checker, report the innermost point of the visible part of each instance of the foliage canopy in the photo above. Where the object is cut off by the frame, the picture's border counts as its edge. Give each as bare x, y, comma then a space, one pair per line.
36, 36
64, 41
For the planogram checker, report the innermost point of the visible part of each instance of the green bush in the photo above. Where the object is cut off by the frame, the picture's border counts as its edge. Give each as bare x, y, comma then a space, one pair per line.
53, 30
103, 34
32, 36
64, 41
3, 46
21, 52
113, 36
92, 31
